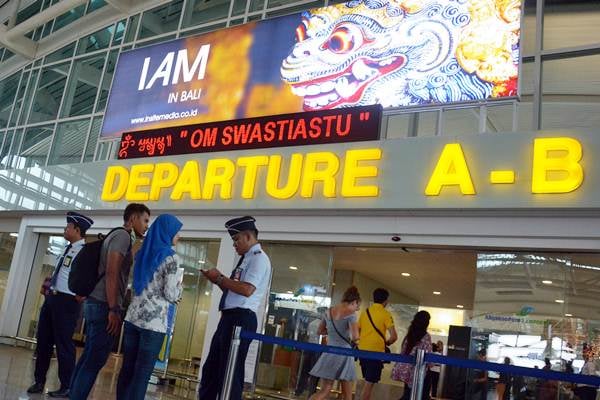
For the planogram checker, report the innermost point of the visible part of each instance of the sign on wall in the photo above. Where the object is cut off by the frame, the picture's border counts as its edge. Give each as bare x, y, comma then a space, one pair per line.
317, 127
393, 53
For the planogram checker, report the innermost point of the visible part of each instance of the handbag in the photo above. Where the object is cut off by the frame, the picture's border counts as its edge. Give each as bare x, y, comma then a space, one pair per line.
350, 342
387, 349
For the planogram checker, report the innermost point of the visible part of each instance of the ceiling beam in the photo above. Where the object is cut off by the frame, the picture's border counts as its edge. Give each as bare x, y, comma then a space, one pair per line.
17, 44
122, 5
45, 16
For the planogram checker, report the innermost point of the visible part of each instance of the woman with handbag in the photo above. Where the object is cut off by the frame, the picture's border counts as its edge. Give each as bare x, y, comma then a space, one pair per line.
341, 328
416, 338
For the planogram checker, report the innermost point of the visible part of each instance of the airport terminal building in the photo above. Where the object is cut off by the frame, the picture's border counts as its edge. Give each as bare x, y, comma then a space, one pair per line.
464, 180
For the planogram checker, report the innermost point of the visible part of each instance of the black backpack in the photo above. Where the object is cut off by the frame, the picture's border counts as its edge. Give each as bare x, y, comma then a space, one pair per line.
84, 275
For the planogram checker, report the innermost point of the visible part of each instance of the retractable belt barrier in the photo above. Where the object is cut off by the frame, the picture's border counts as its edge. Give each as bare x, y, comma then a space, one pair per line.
429, 358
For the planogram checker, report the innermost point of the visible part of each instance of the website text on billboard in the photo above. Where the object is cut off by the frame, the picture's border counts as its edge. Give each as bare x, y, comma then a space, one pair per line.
363, 52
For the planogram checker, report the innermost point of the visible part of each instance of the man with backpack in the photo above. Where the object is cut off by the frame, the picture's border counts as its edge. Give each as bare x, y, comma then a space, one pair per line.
60, 312
103, 307
377, 332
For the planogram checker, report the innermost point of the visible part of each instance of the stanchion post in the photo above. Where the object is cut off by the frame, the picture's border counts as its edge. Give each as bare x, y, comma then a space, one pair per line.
418, 376
231, 362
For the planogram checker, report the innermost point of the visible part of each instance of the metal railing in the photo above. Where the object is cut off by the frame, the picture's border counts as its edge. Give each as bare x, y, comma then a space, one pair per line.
420, 360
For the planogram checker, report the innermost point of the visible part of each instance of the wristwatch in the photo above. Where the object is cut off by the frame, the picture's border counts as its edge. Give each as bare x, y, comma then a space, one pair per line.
219, 279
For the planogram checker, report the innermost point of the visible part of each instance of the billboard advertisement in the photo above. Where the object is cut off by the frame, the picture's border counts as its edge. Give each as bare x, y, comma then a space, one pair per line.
394, 53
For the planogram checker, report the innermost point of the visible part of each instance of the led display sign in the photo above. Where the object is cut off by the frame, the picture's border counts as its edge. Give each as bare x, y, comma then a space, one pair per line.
362, 52
317, 127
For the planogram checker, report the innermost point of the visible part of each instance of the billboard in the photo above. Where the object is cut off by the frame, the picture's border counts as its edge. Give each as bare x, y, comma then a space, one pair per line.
394, 53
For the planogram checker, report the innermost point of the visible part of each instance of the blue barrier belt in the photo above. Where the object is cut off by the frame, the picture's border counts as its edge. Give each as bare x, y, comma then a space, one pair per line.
429, 358
317, 348
514, 370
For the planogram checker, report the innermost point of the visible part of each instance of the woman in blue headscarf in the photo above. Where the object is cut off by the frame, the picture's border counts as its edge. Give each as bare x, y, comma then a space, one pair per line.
156, 285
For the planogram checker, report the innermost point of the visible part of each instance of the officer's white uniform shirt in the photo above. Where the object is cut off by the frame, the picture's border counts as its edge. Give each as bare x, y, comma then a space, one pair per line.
62, 281
256, 270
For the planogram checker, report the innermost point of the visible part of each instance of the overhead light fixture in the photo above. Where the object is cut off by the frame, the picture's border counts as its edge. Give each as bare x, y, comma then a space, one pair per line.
289, 292
460, 306
405, 274
547, 282
560, 301
437, 293
293, 268
14, 234
206, 293
568, 315
201, 262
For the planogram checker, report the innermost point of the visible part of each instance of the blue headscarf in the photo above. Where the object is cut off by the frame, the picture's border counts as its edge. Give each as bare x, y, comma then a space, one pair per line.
156, 247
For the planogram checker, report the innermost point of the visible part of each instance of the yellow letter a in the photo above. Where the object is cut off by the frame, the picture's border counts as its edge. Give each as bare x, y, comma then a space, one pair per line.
451, 169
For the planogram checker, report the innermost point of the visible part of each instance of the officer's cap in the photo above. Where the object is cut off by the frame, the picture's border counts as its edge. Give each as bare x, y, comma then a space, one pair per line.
81, 220
240, 224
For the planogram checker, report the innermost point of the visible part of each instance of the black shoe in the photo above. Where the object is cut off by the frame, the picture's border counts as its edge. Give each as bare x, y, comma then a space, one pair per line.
36, 388
64, 393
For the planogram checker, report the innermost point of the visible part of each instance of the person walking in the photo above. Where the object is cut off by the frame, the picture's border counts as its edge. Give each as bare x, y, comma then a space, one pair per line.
341, 327
376, 330
156, 285
434, 371
504, 383
243, 293
416, 338
60, 312
586, 392
103, 308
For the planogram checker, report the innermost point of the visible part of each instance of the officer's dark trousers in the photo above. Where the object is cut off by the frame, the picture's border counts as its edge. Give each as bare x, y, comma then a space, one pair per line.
57, 322
213, 371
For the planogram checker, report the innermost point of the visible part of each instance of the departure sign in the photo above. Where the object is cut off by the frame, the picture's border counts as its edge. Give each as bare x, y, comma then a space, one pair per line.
317, 127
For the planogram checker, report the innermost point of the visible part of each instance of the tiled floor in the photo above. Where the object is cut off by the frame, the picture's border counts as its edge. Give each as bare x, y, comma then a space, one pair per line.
16, 371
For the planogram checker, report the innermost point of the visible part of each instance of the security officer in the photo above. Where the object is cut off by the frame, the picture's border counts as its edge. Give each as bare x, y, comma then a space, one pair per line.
243, 293
60, 312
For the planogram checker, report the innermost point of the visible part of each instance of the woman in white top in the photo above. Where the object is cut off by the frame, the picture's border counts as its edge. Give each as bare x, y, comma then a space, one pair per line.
155, 287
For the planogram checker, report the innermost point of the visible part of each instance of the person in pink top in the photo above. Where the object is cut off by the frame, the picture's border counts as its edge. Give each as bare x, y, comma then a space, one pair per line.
416, 338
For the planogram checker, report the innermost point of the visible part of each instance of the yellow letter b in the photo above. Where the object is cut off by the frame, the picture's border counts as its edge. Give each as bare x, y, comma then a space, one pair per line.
556, 167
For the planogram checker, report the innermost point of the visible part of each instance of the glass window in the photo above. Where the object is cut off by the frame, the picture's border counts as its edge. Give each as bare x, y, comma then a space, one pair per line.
571, 87
192, 311
35, 146
200, 11
398, 126
204, 29
93, 5
96, 41
93, 139
300, 286
68, 17
49, 92
28, 11
7, 54
83, 85
239, 7
4, 151
8, 241
119, 32
571, 23
13, 159
47, 29
256, 5
528, 27
154, 41
27, 88
60, 54
427, 122
103, 150
290, 10
499, 118
8, 91
69, 139
131, 28
46, 256
107, 80
161, 19
461, 121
